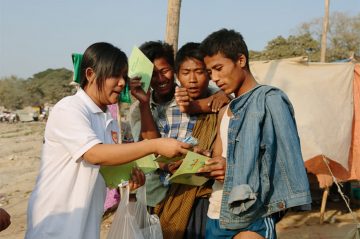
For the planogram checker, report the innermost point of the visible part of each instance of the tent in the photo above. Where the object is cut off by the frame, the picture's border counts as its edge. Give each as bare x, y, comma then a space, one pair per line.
326, 101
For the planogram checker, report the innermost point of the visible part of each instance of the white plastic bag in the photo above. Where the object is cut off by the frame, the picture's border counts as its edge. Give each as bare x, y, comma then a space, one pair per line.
132, 221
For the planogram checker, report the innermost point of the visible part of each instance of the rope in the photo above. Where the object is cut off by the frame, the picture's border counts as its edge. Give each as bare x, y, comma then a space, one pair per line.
344, 197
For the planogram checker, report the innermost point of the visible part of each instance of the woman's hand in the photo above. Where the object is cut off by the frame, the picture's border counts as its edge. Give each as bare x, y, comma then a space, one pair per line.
214, 168
137, 179
182, 99
138, 92
170, 148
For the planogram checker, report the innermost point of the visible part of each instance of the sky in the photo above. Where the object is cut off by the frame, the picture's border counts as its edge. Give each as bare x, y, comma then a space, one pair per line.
39, 34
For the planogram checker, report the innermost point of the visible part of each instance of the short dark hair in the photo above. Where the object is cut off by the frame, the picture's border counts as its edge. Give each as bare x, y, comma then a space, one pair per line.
158, 49
229, 43
106, 61
189, 50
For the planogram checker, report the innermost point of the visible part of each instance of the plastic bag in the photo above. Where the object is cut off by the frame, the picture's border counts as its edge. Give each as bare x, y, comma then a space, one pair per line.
132, 221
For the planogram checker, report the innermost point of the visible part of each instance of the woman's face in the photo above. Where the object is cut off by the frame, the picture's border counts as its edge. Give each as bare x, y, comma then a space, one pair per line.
194, 77
110, 91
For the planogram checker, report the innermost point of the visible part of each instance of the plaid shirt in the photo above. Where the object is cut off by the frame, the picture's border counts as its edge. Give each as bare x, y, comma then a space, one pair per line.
170, 121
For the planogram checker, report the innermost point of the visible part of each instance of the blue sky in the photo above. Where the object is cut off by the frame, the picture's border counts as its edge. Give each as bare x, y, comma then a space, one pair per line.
39, 34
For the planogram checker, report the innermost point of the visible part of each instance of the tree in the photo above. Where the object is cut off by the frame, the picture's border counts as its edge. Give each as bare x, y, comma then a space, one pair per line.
12, 93
343, 37
44, 87
172, 23
325, 29
293, 46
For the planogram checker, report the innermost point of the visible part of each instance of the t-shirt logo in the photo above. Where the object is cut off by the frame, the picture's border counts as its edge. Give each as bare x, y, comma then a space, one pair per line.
115, 137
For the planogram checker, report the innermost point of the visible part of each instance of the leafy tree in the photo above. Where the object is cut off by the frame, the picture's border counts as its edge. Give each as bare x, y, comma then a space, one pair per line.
44, 87
343, 37
293, 46
11, 93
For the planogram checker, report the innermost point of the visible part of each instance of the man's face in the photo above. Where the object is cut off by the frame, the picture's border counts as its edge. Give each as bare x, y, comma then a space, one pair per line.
227, 74
162, 81
194, 77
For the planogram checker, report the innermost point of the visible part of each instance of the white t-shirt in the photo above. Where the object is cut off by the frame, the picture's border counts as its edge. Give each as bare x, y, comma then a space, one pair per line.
69, 194
217, 188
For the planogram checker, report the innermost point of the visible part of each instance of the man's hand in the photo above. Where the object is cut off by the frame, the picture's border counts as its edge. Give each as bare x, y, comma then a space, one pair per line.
218, 100
138, 92
137, 179
182, 99
4, 219
173, 166
214, 168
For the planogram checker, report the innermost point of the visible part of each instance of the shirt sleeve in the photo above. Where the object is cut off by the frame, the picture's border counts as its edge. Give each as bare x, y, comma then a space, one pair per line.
71, 127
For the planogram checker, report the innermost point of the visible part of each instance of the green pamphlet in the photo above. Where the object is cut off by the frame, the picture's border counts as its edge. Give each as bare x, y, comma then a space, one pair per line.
186, 173
114, 175
164, 159
140, 65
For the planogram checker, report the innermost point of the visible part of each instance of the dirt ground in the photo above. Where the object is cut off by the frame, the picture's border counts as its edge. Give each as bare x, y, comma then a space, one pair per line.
20, 146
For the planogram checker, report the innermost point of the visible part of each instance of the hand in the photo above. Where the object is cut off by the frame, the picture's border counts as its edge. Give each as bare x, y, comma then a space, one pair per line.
204, 152
137, 179
173, 166
214, 168
182, 99
138, 92
170, 147
218, 100
325, 180
4, 219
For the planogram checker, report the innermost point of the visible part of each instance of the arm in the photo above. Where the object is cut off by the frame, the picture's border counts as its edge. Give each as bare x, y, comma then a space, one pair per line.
115, 154
216, 166
210, 104
148, 126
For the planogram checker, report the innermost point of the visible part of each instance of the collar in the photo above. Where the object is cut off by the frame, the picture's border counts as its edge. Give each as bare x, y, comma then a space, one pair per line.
236, 104
171, 103
88, 101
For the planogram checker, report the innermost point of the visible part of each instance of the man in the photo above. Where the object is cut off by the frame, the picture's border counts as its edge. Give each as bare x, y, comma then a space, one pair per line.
258, 142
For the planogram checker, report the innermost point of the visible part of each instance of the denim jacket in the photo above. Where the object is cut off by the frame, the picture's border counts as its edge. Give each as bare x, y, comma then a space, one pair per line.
265, 171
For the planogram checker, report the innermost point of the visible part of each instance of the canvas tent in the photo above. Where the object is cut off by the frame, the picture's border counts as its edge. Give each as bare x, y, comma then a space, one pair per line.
325, 97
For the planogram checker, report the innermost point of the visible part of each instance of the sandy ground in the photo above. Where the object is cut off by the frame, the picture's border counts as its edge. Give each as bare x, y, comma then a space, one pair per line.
20, 146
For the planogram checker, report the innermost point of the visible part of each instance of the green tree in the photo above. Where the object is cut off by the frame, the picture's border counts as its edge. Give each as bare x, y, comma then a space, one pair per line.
343, 37
44, 87
12, 93
293, 46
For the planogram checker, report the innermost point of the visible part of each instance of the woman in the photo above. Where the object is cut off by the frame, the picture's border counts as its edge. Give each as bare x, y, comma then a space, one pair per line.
80, 135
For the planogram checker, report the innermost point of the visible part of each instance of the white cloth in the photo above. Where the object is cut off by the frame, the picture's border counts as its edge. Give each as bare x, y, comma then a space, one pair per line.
322, 96
217, 188
69, 194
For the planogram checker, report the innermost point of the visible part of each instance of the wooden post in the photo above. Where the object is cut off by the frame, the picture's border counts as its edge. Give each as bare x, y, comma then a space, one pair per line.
172, 23
323, 204
324, 32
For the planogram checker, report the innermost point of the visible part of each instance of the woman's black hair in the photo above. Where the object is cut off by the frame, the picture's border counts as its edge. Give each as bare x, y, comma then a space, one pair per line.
106, 61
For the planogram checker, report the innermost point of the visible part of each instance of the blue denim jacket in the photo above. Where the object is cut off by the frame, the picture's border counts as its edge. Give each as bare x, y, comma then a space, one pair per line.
265, 171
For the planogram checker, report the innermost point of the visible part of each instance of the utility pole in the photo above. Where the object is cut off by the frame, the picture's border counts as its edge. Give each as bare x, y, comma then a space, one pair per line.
172, 23
324, 31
